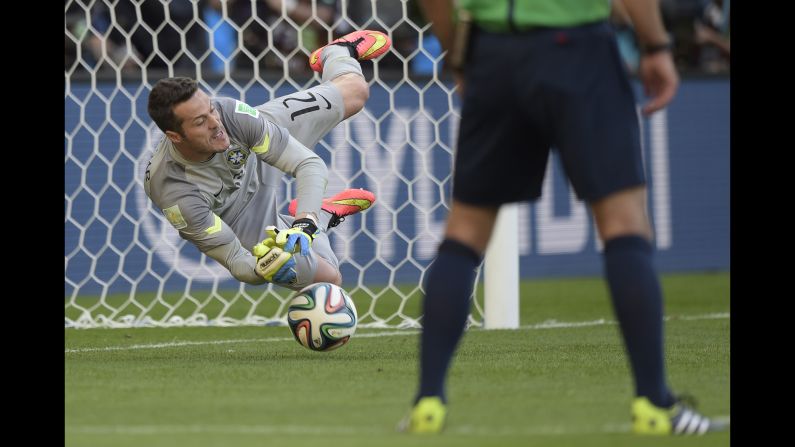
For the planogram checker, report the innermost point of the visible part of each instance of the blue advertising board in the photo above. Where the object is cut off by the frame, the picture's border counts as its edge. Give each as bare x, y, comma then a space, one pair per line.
399, 147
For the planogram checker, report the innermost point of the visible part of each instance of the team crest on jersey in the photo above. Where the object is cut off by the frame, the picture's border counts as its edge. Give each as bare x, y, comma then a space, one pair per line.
236, 157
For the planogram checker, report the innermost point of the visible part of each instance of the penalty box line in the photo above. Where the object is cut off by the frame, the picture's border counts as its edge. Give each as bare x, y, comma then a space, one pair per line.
549, 324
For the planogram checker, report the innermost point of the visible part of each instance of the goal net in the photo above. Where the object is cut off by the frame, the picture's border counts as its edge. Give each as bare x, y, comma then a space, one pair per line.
125, 265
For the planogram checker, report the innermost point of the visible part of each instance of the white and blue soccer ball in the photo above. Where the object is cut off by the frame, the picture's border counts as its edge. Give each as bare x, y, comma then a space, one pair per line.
322, 317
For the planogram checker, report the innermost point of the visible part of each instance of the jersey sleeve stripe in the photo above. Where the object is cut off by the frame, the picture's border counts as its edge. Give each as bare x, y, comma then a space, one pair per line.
262, 148
216, 226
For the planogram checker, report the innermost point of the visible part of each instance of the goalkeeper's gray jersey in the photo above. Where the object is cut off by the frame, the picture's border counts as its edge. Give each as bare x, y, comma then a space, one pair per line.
223, 204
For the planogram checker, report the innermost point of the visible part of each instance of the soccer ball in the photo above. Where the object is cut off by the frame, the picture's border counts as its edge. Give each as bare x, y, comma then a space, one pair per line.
322, 317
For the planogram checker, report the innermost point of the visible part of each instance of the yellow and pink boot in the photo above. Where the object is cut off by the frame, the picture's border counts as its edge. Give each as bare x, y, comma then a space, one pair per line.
364, 45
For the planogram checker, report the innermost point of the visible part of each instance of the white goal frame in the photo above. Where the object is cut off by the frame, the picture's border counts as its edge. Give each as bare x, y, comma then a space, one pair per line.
126, 267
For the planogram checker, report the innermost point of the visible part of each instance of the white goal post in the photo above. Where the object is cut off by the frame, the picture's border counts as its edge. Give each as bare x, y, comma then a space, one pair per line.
501, 277
125, 266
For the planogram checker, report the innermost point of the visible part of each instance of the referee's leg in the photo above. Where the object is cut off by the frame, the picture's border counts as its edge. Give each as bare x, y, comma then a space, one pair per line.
624, 226
448, 287
622, 213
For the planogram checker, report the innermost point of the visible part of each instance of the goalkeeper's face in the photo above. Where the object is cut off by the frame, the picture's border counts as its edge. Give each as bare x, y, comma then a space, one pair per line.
203, 133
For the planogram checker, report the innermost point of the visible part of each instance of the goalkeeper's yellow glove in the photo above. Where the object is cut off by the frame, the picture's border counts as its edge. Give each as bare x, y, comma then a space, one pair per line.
303, 232
273, 263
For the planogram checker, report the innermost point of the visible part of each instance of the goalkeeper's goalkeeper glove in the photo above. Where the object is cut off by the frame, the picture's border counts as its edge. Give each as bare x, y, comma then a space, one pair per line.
273, 263
303, 232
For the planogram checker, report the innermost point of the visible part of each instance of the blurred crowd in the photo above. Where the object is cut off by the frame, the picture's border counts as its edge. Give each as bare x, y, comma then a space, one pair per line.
277, 36
699, 31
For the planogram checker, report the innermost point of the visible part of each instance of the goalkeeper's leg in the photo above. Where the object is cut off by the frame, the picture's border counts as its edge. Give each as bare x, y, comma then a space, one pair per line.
328, 266
321, 265
338, 62
310, 114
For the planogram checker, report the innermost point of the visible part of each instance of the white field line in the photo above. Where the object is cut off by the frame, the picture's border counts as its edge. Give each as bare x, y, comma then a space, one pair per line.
549, 324
224, 342
467, 430
554, 324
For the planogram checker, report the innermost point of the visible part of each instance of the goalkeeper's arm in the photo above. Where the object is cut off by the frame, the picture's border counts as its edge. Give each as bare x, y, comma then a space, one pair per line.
213, 237
268, 261
310, 172
240, 262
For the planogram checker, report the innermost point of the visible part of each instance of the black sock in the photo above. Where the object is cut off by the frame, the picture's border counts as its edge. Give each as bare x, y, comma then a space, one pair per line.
448, 288
638, 305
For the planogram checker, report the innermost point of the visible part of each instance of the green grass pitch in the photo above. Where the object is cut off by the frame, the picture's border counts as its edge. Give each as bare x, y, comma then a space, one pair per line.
549, 383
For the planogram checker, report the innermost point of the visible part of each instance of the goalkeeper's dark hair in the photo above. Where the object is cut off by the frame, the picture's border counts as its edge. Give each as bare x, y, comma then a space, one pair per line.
167, 94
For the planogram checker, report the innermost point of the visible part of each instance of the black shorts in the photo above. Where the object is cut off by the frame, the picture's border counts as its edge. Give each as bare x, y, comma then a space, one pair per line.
551, 88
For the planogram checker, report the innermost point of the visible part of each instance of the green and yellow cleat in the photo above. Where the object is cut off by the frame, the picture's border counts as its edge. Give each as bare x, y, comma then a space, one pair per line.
680, 419
426, 418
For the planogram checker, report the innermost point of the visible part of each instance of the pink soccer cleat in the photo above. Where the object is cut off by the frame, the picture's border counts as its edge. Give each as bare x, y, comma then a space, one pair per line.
350, 201
364, 45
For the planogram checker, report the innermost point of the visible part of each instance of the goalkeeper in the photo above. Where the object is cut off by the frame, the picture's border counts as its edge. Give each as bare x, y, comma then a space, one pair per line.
216, 172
